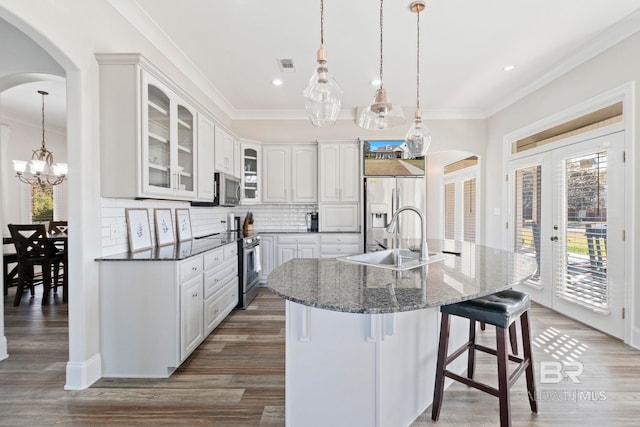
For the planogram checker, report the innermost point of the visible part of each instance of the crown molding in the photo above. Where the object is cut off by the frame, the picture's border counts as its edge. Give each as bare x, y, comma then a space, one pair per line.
600, 43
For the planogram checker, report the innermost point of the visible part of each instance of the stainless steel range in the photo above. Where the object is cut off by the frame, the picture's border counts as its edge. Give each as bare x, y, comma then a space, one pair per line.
248, 269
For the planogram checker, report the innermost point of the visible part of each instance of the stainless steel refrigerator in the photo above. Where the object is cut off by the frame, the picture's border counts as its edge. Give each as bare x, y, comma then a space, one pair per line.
382, 197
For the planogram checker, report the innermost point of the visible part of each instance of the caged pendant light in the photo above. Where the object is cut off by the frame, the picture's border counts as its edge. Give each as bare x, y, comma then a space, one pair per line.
418, 137
381, 114
322, 94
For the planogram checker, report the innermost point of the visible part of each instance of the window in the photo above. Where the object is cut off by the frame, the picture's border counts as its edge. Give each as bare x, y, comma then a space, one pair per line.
41, 203
460, 199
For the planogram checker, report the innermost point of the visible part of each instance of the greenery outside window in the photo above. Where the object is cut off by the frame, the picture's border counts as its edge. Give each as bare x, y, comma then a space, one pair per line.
41, 203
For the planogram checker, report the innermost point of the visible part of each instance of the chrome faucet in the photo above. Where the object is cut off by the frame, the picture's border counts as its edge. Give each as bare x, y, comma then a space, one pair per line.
391, 228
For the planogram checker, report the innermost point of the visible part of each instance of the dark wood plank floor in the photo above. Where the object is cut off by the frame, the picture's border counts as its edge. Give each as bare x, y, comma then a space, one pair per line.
236, 377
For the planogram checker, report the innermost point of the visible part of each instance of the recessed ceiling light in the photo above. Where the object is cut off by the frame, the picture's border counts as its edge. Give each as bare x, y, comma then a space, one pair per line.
375, 82
509, 67
276, 82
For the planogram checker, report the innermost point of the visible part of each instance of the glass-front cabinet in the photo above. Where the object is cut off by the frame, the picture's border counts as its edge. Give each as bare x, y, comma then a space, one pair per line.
148, 133
251, 172
168, 142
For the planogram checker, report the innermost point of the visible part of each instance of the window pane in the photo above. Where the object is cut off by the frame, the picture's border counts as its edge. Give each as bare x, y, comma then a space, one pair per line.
41, 203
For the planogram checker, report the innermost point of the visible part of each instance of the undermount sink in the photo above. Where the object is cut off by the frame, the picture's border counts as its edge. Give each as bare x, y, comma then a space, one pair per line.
393, 259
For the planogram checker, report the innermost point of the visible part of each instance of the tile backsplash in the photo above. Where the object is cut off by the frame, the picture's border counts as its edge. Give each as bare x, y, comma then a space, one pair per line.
204, 220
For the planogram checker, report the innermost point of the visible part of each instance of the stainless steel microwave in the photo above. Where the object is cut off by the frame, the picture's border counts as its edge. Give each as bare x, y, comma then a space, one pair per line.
226, 190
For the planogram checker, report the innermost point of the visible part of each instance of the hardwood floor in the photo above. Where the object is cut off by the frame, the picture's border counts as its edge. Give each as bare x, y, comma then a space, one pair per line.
236, 377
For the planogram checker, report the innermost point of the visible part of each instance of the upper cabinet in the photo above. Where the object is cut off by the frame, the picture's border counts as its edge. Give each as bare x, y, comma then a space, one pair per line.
148, 133
339, 164
251, 171
225, 150
206, 144
289, 173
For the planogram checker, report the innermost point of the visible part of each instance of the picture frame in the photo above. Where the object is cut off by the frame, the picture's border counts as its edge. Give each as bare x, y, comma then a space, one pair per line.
164, 227
183, 224
138, 229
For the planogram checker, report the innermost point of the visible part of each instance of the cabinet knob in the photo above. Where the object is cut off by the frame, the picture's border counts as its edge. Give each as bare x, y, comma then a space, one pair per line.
194, 268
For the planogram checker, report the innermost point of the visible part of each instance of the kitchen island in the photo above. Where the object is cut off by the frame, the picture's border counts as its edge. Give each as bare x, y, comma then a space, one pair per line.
361, 341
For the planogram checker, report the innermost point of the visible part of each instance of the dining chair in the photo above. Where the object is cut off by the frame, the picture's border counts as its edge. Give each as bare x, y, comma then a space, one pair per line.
55, 228
9, 266
33, 249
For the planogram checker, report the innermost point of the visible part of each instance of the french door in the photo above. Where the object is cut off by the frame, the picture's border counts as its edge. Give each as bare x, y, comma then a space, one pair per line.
568, 212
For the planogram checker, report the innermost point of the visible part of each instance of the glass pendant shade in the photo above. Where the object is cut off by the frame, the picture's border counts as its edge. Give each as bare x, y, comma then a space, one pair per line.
381, 114
322, 96
418, 138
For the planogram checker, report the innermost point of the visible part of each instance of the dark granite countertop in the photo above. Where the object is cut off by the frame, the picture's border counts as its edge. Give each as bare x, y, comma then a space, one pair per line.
177, 251
303, 232
336, 285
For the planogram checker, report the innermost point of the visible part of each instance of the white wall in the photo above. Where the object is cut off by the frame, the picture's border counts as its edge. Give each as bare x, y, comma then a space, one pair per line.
611, 69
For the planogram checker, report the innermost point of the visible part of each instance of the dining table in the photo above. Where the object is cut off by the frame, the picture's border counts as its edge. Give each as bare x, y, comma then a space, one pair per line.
55, 239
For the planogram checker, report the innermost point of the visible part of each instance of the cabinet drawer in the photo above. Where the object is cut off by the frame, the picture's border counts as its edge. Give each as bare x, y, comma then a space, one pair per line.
190, 268
340, 239
293, 239
219, 305
213, 258
339, 250
230, 251
215, 279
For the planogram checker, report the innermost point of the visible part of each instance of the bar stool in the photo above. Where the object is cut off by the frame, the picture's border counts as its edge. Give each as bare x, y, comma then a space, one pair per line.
501, 309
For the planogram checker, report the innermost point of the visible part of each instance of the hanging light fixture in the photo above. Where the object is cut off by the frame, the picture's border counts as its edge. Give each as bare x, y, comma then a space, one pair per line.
418, 137
42, 170
381, 114
322, 94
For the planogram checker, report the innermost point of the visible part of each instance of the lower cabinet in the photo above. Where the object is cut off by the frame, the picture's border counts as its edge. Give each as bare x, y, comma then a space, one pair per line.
267, 255
154, 314
292, 246
335, 245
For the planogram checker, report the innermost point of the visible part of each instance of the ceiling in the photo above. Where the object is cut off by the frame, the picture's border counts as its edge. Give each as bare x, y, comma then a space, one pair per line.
231, 49
465, 44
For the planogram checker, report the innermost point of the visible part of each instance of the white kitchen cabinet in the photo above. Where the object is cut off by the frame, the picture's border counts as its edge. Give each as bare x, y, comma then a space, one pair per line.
224, 151
339, 171
237, 159
206, 149
289, 173
153, 314
191, 327
339, 217
292, 246
267, 256
335, 245
147, 131
220, 285
252, 169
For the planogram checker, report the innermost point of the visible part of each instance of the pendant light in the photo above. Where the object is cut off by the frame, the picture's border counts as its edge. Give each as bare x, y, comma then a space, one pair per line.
381, 114
322, 94
418, 137
41, 169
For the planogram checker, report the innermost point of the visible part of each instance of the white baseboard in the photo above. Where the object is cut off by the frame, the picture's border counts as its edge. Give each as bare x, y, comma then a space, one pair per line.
81, 375
3, 348
635, 338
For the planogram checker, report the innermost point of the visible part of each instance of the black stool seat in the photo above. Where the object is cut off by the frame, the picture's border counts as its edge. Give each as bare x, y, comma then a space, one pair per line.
499, 309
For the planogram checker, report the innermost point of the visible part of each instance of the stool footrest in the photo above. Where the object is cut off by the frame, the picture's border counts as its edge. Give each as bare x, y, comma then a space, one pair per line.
471, 383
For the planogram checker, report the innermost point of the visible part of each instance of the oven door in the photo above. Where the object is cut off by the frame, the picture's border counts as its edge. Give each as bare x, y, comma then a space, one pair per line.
251, 274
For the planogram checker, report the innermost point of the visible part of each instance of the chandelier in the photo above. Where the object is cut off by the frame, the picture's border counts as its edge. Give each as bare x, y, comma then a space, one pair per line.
41, 169
382, 114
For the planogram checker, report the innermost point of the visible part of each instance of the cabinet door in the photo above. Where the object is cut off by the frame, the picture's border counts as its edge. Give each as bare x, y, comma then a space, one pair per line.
157, 153
276, 173
223, 151
304, 176
329, 167
191, 319
252, 169
236, 160
349, 190
308, 251
267, 256
286, 253
339, 217
184, 168
206, 139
